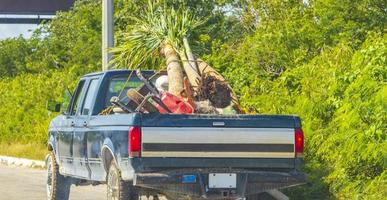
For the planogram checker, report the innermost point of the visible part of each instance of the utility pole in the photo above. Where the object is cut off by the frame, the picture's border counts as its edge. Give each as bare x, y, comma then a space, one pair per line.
107, 32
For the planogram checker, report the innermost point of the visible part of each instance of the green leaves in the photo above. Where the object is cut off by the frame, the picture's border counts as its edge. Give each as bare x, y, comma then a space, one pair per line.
13, 56
340, 95
23, 99
156, 25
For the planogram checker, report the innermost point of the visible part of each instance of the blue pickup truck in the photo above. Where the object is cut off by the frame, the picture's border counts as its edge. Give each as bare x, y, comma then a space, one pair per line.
196, 156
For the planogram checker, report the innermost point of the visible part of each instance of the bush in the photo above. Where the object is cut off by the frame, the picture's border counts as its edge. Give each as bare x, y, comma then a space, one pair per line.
23, 104
340, 96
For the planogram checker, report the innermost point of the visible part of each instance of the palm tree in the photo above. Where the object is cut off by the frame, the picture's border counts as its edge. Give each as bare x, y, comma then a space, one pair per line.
158, 34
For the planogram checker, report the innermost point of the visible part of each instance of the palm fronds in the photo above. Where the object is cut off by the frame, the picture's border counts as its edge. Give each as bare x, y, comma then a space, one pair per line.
157, 26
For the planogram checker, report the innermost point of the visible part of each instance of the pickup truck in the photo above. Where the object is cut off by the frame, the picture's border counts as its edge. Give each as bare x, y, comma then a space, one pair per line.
179, 156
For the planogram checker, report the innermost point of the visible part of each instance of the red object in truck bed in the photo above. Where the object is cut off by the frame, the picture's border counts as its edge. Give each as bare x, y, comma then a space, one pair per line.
175, 104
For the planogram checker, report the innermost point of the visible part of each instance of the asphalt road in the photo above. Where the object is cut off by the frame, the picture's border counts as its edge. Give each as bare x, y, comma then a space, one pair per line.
23, 183
17, 183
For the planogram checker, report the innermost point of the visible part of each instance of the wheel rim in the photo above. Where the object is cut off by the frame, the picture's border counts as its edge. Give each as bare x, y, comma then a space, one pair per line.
113, 192
49, 177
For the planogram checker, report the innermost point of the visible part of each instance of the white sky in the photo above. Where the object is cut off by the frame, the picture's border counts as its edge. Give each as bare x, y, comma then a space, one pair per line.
14, 30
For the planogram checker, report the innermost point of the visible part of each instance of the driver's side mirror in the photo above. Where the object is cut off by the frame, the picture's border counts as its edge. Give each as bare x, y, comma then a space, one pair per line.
53, 106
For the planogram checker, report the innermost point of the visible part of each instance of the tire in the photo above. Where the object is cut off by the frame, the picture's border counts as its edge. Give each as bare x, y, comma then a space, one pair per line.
58, 186
117, 189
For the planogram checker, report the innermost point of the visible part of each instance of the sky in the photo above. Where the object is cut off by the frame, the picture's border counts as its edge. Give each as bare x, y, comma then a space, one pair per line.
14, 30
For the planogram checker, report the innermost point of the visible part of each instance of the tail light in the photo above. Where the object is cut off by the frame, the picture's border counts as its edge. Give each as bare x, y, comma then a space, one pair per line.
134, 141
299, 142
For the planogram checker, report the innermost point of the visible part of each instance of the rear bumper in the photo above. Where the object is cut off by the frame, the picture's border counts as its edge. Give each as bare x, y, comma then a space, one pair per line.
152, 164
248, 182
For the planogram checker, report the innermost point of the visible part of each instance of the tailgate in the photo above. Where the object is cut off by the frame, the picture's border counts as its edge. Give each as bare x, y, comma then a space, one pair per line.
215, 136
253, 152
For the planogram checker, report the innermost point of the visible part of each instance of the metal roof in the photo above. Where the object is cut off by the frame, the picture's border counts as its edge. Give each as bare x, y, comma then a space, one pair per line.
34, 7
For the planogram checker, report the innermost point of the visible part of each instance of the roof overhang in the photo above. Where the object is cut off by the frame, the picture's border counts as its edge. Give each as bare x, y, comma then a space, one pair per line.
12, 11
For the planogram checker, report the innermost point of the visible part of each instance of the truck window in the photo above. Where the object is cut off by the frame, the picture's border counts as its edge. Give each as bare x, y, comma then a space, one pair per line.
119, 86
76, 98
88, 102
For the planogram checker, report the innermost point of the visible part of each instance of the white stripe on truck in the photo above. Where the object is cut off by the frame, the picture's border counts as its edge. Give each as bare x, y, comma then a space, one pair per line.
218, 135
218, 142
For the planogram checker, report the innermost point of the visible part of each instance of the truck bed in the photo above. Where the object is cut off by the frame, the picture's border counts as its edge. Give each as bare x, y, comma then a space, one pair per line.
240, 141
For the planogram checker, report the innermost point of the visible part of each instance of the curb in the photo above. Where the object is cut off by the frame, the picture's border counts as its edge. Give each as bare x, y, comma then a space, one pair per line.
22, 162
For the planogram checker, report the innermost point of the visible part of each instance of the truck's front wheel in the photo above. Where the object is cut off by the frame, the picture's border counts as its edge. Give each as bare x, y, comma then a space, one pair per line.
117, 189
58, 186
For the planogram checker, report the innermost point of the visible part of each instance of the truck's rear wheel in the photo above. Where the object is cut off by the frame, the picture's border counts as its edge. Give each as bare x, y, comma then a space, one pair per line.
58, 186
117, 189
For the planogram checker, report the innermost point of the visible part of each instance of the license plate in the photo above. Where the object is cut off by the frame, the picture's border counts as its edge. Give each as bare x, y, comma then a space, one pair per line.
222, 180
189, 179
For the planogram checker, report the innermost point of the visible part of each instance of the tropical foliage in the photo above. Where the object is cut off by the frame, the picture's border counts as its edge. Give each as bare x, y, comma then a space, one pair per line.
323, 60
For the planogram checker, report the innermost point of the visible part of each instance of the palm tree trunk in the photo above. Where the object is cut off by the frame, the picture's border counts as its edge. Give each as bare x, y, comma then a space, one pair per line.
189, 64
192, 74
190, 55
174, 69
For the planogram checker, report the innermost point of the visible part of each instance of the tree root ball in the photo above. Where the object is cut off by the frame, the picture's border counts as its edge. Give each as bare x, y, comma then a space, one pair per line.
215, 90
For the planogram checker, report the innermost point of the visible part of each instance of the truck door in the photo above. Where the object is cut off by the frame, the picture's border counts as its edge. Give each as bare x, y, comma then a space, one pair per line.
65, 135
81, 167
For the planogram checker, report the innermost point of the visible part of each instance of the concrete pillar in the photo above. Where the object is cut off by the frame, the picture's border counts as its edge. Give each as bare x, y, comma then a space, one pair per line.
107, 32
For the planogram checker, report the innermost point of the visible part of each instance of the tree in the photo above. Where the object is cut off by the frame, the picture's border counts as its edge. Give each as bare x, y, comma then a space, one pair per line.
13, 56
158, 34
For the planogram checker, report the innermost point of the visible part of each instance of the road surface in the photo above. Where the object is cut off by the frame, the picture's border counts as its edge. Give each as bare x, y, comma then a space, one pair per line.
18, 183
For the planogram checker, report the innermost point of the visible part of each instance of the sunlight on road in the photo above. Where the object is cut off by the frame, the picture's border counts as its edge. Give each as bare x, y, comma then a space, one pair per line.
23, 183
